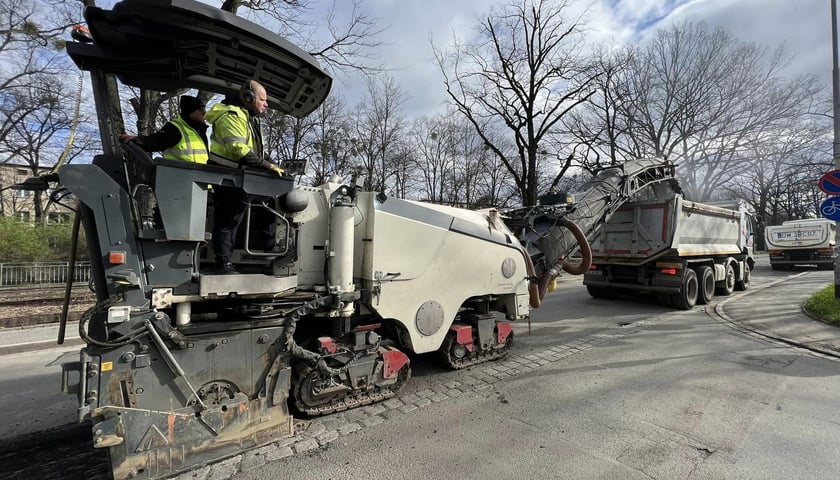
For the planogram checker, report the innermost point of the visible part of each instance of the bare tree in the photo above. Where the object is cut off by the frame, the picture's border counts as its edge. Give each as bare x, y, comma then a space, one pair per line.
320, 140
454, 166
28, 48
352, 42
37, 98
37, 142
784, 165
700, 97
432, 142
333, 146
599, 125
523, 71
378, 126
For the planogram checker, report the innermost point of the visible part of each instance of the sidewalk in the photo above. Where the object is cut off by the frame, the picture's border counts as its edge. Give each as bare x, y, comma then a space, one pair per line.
775, 310
37, 337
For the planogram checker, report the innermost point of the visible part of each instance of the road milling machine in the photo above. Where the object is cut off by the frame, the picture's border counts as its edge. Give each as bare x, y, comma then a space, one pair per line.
182, 366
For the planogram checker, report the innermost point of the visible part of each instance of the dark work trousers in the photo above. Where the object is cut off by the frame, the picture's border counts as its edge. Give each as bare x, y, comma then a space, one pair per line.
230, 205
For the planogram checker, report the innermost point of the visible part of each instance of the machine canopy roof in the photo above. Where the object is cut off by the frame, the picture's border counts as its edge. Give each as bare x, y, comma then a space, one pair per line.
166, 45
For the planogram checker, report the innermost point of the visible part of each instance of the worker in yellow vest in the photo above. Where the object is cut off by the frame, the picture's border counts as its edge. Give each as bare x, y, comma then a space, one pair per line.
182, 138
237, 142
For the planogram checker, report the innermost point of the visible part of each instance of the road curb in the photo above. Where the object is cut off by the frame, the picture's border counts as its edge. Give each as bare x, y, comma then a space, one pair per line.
39, 345
720, 311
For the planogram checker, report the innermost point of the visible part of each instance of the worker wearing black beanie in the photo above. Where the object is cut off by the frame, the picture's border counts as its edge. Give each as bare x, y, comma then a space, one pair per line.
182, 138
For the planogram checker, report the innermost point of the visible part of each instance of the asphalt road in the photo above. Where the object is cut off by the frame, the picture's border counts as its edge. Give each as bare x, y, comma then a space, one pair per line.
30, 393
648, 392
598, 389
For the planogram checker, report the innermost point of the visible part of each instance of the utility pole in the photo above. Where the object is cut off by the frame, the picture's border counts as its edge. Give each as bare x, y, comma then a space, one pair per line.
835, 73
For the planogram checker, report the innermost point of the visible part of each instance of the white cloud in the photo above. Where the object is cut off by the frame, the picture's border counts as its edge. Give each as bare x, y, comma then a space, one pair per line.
803, 25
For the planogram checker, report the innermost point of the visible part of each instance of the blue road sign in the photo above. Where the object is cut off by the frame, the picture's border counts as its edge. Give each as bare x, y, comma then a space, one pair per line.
830, 208
830, 182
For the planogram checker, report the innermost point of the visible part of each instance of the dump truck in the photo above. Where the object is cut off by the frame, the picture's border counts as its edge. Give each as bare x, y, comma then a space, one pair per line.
801, 242
666, 245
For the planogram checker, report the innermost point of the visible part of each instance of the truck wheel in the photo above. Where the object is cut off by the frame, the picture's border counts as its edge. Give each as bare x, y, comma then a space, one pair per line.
744, 284
727, 285
595, 292
689, 290
601, 292
707, 285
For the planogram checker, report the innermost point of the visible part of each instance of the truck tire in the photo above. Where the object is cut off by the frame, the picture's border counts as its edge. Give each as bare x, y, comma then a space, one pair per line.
744, 284
727, 285
706, 279
689, 290
601, 292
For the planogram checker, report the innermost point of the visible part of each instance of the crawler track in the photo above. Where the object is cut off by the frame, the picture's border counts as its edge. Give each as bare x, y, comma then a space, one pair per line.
468, 359
352, 399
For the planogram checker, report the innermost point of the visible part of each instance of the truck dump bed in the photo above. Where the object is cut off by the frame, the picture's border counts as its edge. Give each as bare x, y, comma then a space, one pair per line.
642, 231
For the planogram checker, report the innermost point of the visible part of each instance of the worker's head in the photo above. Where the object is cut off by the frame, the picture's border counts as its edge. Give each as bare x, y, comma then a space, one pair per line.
192, 108
253, 96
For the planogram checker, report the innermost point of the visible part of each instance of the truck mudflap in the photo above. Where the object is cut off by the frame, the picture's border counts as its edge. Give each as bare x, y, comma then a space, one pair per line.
154, 444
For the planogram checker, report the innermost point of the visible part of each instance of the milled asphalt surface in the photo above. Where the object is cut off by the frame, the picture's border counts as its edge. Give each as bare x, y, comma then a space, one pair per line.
773, 310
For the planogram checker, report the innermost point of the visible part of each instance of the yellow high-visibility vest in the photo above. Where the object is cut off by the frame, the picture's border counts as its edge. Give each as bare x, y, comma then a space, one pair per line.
231, 137
191, 148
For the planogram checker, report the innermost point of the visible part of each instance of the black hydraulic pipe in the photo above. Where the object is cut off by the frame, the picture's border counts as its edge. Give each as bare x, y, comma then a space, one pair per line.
71, 273
170, 360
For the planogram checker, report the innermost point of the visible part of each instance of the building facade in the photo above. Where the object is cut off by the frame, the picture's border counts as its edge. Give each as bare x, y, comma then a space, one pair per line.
20, 204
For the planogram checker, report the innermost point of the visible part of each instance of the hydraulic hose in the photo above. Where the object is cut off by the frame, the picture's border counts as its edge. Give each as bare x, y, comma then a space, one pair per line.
535, 300
537, 290
298, 352
585, 251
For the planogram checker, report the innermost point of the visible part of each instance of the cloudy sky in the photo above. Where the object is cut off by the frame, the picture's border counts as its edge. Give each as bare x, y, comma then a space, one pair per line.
804, 26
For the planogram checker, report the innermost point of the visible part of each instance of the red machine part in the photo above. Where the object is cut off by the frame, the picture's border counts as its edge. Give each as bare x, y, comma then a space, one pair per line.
503, 331
463, 335
367, 328
327, 344
394, 360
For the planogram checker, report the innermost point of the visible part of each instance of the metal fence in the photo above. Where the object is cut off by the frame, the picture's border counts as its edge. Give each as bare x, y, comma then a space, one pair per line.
21, 274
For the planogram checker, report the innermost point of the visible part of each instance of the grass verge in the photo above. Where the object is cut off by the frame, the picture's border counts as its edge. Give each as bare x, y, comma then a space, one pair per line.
825, 306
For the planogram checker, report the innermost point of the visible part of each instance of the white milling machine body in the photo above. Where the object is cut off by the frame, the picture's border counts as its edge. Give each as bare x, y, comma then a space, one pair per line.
421, 266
